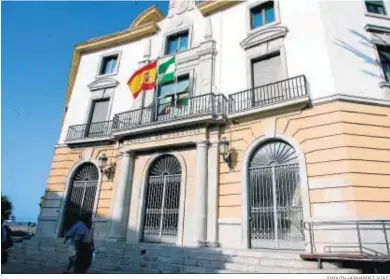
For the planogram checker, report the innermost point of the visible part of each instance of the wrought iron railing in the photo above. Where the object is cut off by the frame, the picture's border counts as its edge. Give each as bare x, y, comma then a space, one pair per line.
91, 130
208, 104
268, 94
365, 238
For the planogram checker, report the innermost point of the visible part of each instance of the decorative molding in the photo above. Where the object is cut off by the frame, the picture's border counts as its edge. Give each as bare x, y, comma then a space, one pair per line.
151, 15
103, 83
87, 153
351, 99
164, 136
376, 28
180, 24
178, 7
384, 84
229, 221
208, 32
377, 16
264, 35
211, 7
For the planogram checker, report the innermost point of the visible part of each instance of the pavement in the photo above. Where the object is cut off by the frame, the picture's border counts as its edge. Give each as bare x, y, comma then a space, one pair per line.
12, 268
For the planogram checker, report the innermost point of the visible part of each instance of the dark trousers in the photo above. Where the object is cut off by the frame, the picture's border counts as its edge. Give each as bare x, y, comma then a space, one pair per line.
4, 256
83, 258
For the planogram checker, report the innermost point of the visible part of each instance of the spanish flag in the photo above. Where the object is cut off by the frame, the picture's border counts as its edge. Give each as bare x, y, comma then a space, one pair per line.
143, 79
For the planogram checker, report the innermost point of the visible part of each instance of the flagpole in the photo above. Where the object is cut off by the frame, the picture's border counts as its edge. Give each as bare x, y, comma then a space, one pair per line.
156, 92
143, 95
174, 105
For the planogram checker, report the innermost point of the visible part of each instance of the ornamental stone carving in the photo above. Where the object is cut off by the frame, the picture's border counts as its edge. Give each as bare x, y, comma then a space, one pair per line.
178, 7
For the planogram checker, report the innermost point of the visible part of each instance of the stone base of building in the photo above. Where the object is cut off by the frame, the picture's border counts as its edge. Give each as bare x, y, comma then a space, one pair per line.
121, 257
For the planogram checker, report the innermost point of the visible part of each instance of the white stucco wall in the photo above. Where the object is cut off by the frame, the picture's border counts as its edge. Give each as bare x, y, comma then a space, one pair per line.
326, 41
353, 58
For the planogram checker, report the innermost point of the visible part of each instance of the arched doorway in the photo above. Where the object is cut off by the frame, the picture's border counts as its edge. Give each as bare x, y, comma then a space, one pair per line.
161, 212
81, 195
274, 198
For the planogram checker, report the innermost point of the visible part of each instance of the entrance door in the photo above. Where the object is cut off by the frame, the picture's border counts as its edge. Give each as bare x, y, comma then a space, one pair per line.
161, 213
81, 195
276, 213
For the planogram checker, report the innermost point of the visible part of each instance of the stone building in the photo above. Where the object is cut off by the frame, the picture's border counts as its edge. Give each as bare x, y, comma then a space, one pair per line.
286, 122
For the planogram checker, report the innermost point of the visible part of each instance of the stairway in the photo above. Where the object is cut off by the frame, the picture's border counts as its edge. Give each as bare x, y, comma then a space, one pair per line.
121, 257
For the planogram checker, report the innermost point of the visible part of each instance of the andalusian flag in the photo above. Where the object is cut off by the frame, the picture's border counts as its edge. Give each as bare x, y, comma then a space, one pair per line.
166, 70
144, 79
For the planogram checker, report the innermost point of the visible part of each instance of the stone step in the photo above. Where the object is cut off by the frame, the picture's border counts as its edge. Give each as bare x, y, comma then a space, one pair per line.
127, 258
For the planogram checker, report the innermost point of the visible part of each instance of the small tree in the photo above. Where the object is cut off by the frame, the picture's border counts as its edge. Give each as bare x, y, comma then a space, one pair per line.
6, 208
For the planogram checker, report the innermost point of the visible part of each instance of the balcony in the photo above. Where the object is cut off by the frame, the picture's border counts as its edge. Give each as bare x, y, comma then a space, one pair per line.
208, 108
203, 108
86, 132
271, 96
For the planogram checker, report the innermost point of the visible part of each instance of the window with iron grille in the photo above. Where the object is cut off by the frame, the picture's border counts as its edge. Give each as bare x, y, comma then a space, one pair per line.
384, 57
177, 42
262, 14
375, 7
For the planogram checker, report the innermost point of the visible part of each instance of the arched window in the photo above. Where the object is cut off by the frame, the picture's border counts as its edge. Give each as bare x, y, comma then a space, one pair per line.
81, 194
275, 205
161, 212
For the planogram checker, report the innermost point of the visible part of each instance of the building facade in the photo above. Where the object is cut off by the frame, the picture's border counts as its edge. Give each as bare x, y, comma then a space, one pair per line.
285, 121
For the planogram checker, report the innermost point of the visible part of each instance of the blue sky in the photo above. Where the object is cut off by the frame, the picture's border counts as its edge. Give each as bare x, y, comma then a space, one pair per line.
37, 40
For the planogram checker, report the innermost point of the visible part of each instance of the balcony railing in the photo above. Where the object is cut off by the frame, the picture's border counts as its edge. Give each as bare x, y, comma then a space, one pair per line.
91, 130
208, 104
204, 105
268, 94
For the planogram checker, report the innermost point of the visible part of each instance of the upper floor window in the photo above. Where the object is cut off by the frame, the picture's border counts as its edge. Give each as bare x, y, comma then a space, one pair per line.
384, 57
174, 95
375, 7
177, 42
108, 65
262, 14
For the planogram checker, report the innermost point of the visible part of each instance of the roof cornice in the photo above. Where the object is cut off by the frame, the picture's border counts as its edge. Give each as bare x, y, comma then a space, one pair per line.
209, 7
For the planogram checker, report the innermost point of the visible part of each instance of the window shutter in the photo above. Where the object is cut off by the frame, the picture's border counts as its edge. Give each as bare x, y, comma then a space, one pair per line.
100, 109
266, 70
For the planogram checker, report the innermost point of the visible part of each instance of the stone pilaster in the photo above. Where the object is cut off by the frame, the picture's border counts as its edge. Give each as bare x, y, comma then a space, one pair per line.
201, 193
122, 197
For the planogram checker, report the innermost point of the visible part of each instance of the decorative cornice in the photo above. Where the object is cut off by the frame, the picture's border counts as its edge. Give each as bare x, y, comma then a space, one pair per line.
152, 14
209, 7
351, 99
103, 83
376, 28
264, 35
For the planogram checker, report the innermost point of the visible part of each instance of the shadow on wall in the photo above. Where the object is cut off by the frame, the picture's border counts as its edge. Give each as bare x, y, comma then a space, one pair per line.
368, 44
49, 254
